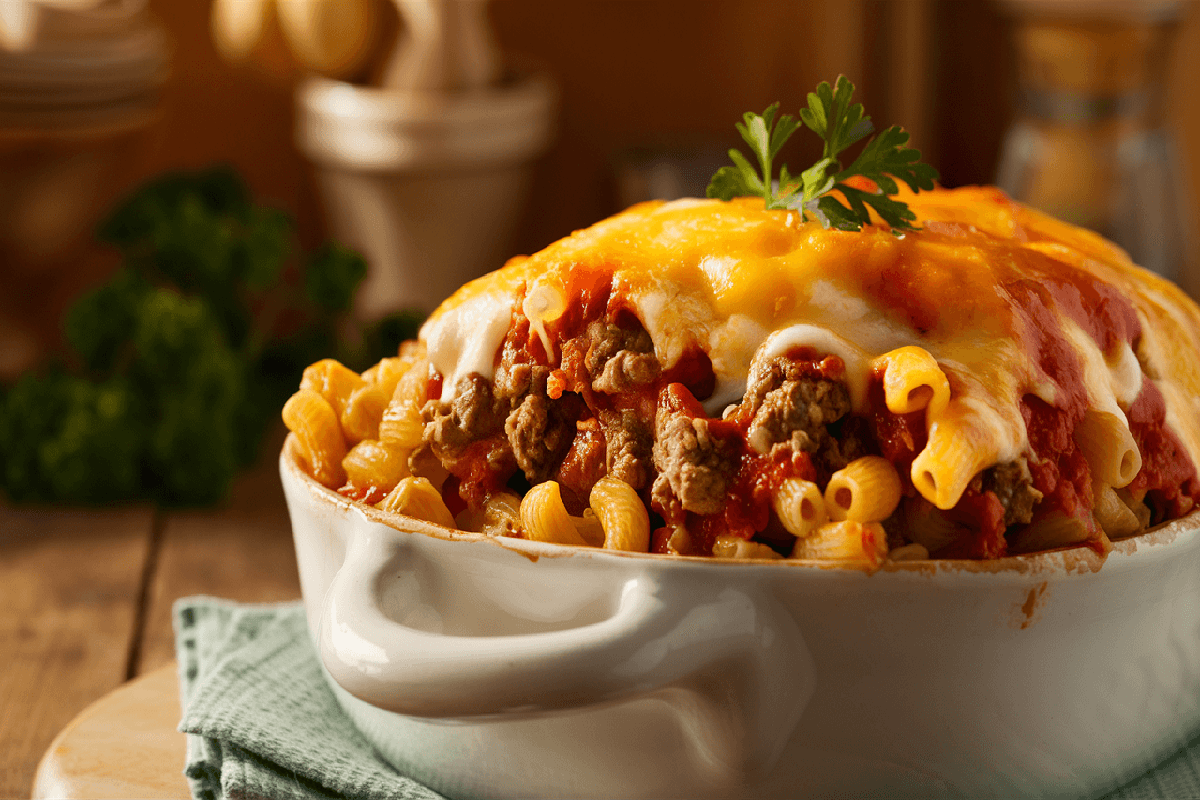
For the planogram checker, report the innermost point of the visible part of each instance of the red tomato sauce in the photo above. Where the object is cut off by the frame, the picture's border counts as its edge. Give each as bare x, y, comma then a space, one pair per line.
363, 494
583, 465
1059, 471
982, 514
477, 480
900, 437
1046, 348
1168, 475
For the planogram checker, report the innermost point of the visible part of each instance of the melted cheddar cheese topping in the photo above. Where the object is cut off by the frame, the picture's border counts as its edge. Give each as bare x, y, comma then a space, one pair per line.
1010, 303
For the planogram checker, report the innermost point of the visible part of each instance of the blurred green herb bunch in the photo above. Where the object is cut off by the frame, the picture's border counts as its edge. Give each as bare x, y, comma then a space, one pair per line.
179, 365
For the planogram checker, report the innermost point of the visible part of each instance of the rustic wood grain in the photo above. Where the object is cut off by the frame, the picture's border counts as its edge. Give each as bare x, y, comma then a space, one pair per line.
69, 589
123, 745
241, 552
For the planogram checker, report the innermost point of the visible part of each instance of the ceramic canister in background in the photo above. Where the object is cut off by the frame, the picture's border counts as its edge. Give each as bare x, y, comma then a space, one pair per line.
1092, 143
428, 186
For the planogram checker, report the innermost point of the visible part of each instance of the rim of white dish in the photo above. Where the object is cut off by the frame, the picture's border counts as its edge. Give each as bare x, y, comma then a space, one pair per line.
1076, 559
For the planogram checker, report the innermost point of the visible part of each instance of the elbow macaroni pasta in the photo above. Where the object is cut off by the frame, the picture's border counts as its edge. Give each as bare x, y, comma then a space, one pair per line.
948, 463
312, 419
416, 497
1113, 516
1053, 530
362, 412
1137, 505
333, 381
847, 540
865, 490
545, 518
739, 548
401, 424
929, 527
622, 515
589, 528
912, 380
1109, 448
372, 463
800, 506
387, 373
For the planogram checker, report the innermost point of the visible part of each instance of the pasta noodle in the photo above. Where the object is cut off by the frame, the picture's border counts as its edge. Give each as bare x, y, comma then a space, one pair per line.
362, 411
622, 515
545, 518
388, 372
1109, 448
416, 497
736, 547
865, 490
589, 528
1113, 515
800, 506
847, 540
372, 463
1137, 505
928, 526
401, 423
912, 380
309, 416
333, 381
1053, 530
949, 461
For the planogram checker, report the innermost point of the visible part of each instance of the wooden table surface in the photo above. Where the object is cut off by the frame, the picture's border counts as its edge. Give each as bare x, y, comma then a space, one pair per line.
86, 594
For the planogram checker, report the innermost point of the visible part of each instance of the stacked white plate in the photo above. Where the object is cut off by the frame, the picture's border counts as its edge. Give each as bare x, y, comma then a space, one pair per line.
94, 65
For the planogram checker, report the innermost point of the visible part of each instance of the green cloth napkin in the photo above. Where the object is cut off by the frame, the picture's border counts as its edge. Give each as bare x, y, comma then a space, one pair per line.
260, 719
262, 722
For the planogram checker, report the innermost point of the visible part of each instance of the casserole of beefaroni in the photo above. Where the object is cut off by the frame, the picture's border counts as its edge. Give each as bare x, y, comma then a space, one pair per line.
712, 378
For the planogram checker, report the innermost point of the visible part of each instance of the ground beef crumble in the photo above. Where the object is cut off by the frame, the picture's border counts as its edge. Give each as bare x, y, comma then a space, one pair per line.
474, 414
1013, 487
619, 357
630, 443
693, 464
540, 432
790, 405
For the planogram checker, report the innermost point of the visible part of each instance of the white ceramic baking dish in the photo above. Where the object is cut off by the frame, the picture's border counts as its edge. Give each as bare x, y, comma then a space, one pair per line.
508, 668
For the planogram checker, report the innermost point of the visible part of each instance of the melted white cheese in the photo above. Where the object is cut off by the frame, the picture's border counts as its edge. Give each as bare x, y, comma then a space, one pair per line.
871, 330
731, 348
1097, 377
466, 338
1125, 376
674, 318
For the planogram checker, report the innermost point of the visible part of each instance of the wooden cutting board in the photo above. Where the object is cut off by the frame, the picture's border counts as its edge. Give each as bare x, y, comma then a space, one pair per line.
123, 745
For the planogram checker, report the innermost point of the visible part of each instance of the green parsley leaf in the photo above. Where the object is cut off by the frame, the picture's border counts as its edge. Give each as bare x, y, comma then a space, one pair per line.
827, 105
840, 124
766, 135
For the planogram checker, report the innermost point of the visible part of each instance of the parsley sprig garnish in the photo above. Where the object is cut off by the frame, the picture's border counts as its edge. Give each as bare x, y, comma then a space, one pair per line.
840, 124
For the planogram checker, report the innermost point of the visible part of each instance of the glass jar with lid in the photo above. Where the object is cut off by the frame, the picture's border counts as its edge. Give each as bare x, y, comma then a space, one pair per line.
1090, 142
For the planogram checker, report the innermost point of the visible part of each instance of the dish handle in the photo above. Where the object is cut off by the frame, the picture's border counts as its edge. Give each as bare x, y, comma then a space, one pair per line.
738, 670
